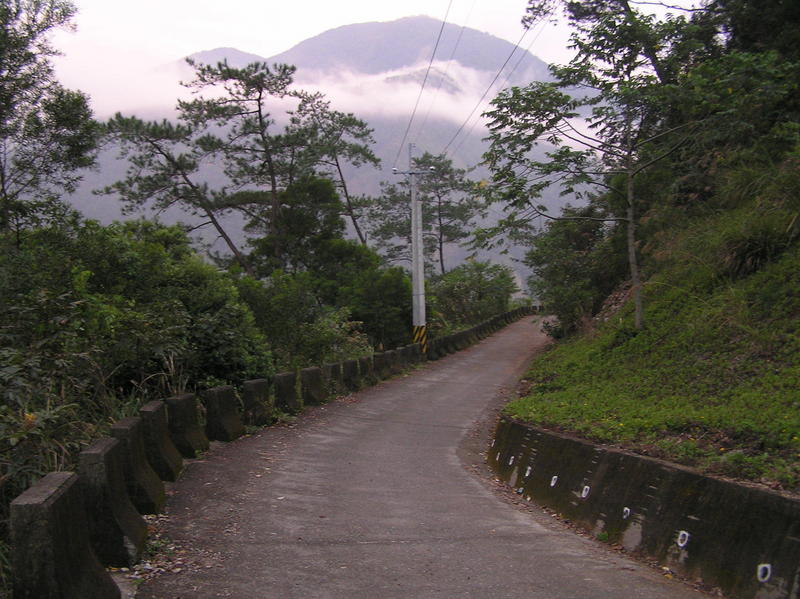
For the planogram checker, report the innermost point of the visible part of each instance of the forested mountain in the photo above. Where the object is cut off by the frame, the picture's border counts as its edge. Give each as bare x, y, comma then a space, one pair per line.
374, 48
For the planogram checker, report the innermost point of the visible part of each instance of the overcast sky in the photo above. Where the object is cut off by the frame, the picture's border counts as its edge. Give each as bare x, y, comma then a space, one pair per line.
169, 29
118, 43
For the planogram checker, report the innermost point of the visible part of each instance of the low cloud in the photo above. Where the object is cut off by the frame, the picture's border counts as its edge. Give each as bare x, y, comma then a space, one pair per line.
394, 93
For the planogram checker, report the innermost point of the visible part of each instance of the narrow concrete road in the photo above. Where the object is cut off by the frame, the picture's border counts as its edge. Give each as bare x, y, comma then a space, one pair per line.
369, 497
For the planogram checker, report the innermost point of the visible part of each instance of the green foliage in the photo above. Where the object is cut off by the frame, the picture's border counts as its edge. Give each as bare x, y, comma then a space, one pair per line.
575, 263
450, 206
301, 330
95, 320
381, 299
711, 382
47, 134
469, 294
347, 274
309, 218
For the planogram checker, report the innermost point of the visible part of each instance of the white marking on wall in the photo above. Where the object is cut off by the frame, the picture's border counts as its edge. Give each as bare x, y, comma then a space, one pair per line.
764, 572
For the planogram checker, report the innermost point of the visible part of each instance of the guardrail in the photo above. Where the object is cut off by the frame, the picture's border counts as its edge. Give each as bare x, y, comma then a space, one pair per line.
66, 527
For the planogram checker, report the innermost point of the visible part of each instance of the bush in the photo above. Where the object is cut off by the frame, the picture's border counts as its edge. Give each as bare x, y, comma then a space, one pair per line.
470, 293
94, 321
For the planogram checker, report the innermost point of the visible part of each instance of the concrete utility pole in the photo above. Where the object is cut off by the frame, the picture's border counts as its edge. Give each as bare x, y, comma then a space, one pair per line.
420, 334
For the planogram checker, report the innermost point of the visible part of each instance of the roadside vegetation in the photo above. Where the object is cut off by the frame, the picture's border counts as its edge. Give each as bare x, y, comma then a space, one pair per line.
698, 362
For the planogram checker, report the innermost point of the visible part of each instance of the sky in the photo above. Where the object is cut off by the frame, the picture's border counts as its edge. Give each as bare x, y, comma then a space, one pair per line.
118, 44
153, 30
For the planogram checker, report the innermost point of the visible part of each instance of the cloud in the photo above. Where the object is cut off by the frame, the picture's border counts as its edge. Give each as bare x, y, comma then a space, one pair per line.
394, 93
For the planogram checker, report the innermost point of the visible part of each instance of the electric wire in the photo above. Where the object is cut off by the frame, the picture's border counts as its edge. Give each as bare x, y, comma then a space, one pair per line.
447, 67
480, 101
422, 87
505, 83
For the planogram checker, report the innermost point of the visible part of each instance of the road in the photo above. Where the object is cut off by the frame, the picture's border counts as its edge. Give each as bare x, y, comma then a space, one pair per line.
380, 495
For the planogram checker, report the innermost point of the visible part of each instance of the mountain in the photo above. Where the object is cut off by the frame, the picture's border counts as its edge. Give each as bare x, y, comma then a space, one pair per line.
373, 48
375, 70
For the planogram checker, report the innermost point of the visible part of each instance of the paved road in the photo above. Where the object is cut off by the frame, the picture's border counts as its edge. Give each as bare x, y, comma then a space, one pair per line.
369, 497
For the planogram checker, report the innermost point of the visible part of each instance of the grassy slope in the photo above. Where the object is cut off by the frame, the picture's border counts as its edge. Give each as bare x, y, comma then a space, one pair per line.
714, 380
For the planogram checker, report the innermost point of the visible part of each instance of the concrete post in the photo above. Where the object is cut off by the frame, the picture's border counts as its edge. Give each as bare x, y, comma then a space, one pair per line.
159, 448
223, 422
184, 429
286, 396
350, 375
312, 386
116, 530
144, 487
258, 405
51, 554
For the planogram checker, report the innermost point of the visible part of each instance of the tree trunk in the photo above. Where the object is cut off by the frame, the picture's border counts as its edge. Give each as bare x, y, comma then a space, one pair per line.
633, 261
350, 212
231, 246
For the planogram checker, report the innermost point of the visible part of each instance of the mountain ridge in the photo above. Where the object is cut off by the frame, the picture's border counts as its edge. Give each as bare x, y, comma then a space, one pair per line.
375, 47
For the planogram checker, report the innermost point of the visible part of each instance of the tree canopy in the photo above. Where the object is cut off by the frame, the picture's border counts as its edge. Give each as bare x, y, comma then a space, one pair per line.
47, 134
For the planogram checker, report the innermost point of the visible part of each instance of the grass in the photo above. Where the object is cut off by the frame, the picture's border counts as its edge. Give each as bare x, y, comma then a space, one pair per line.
713, 381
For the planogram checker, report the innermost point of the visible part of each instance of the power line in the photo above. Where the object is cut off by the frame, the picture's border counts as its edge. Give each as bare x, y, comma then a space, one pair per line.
494, 80
447, 67
422, 87
505, 82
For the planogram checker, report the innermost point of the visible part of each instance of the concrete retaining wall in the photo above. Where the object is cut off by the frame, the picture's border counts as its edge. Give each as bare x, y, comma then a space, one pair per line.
743, 540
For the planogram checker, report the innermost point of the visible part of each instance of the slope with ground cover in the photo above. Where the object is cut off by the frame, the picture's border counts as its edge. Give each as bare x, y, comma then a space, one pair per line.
712, 381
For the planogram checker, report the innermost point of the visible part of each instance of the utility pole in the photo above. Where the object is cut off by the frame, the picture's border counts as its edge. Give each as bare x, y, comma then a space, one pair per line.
420, 333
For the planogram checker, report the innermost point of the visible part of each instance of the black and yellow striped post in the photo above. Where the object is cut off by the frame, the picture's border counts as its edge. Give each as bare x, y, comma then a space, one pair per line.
421, 337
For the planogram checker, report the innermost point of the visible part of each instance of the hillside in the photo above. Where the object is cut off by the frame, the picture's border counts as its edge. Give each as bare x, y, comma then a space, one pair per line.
712, 380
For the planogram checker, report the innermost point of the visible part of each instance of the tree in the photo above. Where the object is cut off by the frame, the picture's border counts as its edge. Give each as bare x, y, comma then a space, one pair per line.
165, 170
309, 218
471, 293
575, 264
614, 84
342, 139
315, 139
255, 158
47, 134
450, 205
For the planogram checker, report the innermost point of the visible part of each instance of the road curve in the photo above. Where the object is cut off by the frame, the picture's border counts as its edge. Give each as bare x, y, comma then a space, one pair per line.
367, 498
